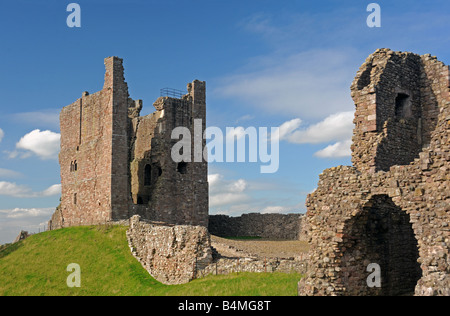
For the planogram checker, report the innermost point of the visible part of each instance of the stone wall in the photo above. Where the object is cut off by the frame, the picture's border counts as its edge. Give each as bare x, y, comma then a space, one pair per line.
380, 211
397, 98
155, 175
93, 155
253, 265
172, 254
115, 164
270, 226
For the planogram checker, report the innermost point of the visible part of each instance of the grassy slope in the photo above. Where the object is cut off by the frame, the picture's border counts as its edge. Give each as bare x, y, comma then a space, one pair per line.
37, 266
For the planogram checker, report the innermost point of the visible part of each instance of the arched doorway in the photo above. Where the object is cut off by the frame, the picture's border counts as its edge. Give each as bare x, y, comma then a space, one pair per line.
382, 234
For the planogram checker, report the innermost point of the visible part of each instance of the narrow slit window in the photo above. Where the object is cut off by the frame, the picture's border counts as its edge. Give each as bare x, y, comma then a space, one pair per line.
148, 175
159, 171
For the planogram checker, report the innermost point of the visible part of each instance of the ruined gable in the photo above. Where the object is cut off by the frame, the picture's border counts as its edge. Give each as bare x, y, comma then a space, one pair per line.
397, 97
392, 207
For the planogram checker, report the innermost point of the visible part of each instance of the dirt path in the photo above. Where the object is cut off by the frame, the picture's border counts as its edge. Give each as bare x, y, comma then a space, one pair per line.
259, 248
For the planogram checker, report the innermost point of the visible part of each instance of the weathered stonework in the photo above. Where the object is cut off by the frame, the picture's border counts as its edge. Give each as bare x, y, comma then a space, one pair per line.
172, 254
22, 236
270, 226
177, 254
115, 164
392, 207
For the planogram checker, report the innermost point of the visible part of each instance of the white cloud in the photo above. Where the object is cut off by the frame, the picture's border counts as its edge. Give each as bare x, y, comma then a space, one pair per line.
223, 199
12, 189
5, 173
337, 150
235, 197
2, 134
27, 212
21, 191
45, 144
309, 84
287, 128
238, 186
12, 221
213, 179
223, 192
52, 190
336, 127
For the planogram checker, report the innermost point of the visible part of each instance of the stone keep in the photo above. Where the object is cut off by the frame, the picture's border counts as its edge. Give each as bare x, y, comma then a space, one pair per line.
116, 164
392, 207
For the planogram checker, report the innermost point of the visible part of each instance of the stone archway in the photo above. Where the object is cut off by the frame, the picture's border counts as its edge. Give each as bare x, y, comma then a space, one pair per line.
381, 233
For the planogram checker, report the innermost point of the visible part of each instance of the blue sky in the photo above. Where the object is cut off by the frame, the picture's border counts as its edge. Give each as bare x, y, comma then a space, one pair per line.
286, 64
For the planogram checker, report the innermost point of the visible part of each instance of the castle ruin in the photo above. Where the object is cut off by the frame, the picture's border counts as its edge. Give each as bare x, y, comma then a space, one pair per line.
392, 207
116, 164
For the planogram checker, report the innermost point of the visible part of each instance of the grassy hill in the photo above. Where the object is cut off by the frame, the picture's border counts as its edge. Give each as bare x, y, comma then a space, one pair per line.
37, 266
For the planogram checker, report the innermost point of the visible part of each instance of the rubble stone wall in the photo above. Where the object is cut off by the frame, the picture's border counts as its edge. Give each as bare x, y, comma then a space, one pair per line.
270, 226
386, 210
172, 254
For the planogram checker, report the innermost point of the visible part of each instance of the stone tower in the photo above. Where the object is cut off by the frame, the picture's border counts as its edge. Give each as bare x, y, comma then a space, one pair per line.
116, 164
162, 189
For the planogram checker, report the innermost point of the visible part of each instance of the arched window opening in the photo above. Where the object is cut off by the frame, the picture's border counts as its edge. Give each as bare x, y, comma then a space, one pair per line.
381, 233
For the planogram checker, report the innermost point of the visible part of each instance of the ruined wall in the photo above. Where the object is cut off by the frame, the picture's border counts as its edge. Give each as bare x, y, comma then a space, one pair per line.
397, 218
270, 226
93, 156
172, 254
397, 103
115, 163
162, 189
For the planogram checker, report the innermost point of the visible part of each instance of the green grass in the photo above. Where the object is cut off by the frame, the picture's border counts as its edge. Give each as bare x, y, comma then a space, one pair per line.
37, 266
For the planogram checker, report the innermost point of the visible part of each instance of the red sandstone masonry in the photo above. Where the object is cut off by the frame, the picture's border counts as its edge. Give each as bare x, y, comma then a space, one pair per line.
392, 207
111, 145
